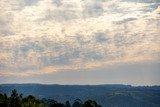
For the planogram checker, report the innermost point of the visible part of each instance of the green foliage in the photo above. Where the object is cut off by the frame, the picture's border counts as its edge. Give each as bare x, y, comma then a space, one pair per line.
31, 101
77, 103
91, 103
17, 100
68, 104
3, 100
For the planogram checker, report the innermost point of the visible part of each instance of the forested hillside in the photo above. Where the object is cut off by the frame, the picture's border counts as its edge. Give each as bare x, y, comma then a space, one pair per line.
105, 95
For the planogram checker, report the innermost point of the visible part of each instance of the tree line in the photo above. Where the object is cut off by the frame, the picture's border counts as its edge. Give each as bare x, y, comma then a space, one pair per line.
17, 100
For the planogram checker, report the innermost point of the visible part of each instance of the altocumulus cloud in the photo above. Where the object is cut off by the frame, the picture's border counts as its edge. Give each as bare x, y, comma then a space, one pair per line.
47, 36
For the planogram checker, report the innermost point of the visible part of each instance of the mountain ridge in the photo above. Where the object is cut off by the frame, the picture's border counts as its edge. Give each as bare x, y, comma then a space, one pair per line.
107, 95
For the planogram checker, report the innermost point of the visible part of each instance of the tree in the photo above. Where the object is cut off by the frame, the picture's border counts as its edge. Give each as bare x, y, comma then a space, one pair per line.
3, 101
52, 103
68, 104
31, 101
90, 103
15, 99
77, 103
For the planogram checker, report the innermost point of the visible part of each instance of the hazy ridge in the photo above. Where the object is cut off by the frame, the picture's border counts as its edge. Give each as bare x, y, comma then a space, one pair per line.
109, 95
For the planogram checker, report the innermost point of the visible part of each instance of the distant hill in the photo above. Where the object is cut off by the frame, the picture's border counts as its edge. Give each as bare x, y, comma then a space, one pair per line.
107, 95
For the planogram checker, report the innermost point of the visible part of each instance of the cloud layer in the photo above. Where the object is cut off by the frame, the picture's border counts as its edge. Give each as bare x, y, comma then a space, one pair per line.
47, 36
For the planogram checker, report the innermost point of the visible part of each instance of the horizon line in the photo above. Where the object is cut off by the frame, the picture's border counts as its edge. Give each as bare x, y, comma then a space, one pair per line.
78, 84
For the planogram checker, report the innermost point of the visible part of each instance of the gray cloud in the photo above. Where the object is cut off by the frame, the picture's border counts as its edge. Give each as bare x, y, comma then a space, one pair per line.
93, 9
5, 23
31, 2
6, 33
143, 1
60, 15
119, 40
125, 20
150, 8
57, 2
81, 40
102, 37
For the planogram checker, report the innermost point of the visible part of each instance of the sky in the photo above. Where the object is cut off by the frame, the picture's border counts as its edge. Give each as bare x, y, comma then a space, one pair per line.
80, 41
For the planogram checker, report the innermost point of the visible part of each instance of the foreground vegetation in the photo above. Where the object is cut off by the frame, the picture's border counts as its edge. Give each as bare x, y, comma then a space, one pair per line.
17, 100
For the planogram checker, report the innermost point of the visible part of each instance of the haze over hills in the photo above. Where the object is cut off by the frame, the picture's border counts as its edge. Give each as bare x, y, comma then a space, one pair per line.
107, 95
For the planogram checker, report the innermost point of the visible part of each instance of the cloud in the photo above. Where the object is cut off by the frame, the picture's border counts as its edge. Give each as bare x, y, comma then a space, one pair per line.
93, 8
50, 36
60, 15
57, 2
143, 1
31, 2
125, 20
5, 21
102, 37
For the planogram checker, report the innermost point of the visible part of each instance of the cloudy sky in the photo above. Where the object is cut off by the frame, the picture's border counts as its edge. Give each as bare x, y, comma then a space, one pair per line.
80, 41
